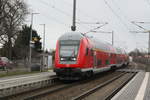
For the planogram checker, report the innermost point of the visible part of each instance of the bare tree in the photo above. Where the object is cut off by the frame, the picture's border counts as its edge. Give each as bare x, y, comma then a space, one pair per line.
2, 15
12, 15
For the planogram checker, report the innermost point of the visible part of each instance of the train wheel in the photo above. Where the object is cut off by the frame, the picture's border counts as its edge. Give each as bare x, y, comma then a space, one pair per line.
127, 64
113, 68
89, 74
124, 65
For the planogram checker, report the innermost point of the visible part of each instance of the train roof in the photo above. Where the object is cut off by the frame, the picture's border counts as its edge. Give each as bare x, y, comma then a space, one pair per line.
72, 36
101, 45
104, 46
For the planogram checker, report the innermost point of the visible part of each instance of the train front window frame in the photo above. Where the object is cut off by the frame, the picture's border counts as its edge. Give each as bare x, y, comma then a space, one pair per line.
68, 50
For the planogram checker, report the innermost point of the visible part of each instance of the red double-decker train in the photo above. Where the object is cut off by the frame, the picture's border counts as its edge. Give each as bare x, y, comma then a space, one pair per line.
80, 56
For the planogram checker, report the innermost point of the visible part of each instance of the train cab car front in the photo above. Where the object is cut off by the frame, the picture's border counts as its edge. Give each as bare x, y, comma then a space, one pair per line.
68, 73
67, 56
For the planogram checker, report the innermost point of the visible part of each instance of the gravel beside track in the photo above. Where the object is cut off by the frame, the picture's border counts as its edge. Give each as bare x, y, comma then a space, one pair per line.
69, 93
106, 91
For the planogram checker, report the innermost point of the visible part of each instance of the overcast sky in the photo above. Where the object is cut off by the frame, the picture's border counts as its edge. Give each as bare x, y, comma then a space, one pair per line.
57, 15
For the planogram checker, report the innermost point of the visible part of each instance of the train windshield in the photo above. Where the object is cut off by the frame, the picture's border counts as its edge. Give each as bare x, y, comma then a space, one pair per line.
69, 48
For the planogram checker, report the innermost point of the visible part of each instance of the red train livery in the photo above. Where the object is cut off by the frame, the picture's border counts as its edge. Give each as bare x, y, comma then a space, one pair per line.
78, 55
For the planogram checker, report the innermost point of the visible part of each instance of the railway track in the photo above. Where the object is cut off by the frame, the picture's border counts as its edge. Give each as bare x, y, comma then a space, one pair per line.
66, 91
120, 87
50, 91
108, 97
25, 85
76, 90
56, 86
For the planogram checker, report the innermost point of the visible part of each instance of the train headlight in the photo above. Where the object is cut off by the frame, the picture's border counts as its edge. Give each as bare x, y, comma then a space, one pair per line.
62, 58
74, 59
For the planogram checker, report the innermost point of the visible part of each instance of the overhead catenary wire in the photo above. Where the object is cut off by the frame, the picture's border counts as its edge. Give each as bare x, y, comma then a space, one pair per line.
49, 17
115, 4
96, 28
57, 9
60, 11
133, 22
148, 2
145, 31
67, 14
96, 23
83, 13
125, 17
141, 22
118, 17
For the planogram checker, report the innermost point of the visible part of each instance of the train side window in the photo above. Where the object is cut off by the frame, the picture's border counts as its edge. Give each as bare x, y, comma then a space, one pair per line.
107, 62
99, 62
92, 52
95, 60
111, 55
87, 50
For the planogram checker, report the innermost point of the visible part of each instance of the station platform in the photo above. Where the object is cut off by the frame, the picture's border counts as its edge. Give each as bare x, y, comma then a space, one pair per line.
50, 72
11, 81
21, 83
137, 89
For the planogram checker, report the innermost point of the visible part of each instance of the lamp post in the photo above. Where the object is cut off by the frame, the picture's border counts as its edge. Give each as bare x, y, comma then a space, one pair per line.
149, 44
43, 36
30, 43
43, 46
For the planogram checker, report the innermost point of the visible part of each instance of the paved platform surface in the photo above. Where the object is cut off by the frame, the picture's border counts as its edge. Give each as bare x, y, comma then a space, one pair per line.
50, 72
23, 79
137, 89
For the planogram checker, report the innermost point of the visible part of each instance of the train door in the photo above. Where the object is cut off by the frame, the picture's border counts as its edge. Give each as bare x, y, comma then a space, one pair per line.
95, 60
91, 58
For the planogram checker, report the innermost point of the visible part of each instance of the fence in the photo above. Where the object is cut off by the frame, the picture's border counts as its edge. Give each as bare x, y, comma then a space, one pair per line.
143, 60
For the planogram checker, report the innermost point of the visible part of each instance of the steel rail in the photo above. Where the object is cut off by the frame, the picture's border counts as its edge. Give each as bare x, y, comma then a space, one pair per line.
119, 88
49, 91
87, 93
60, 88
